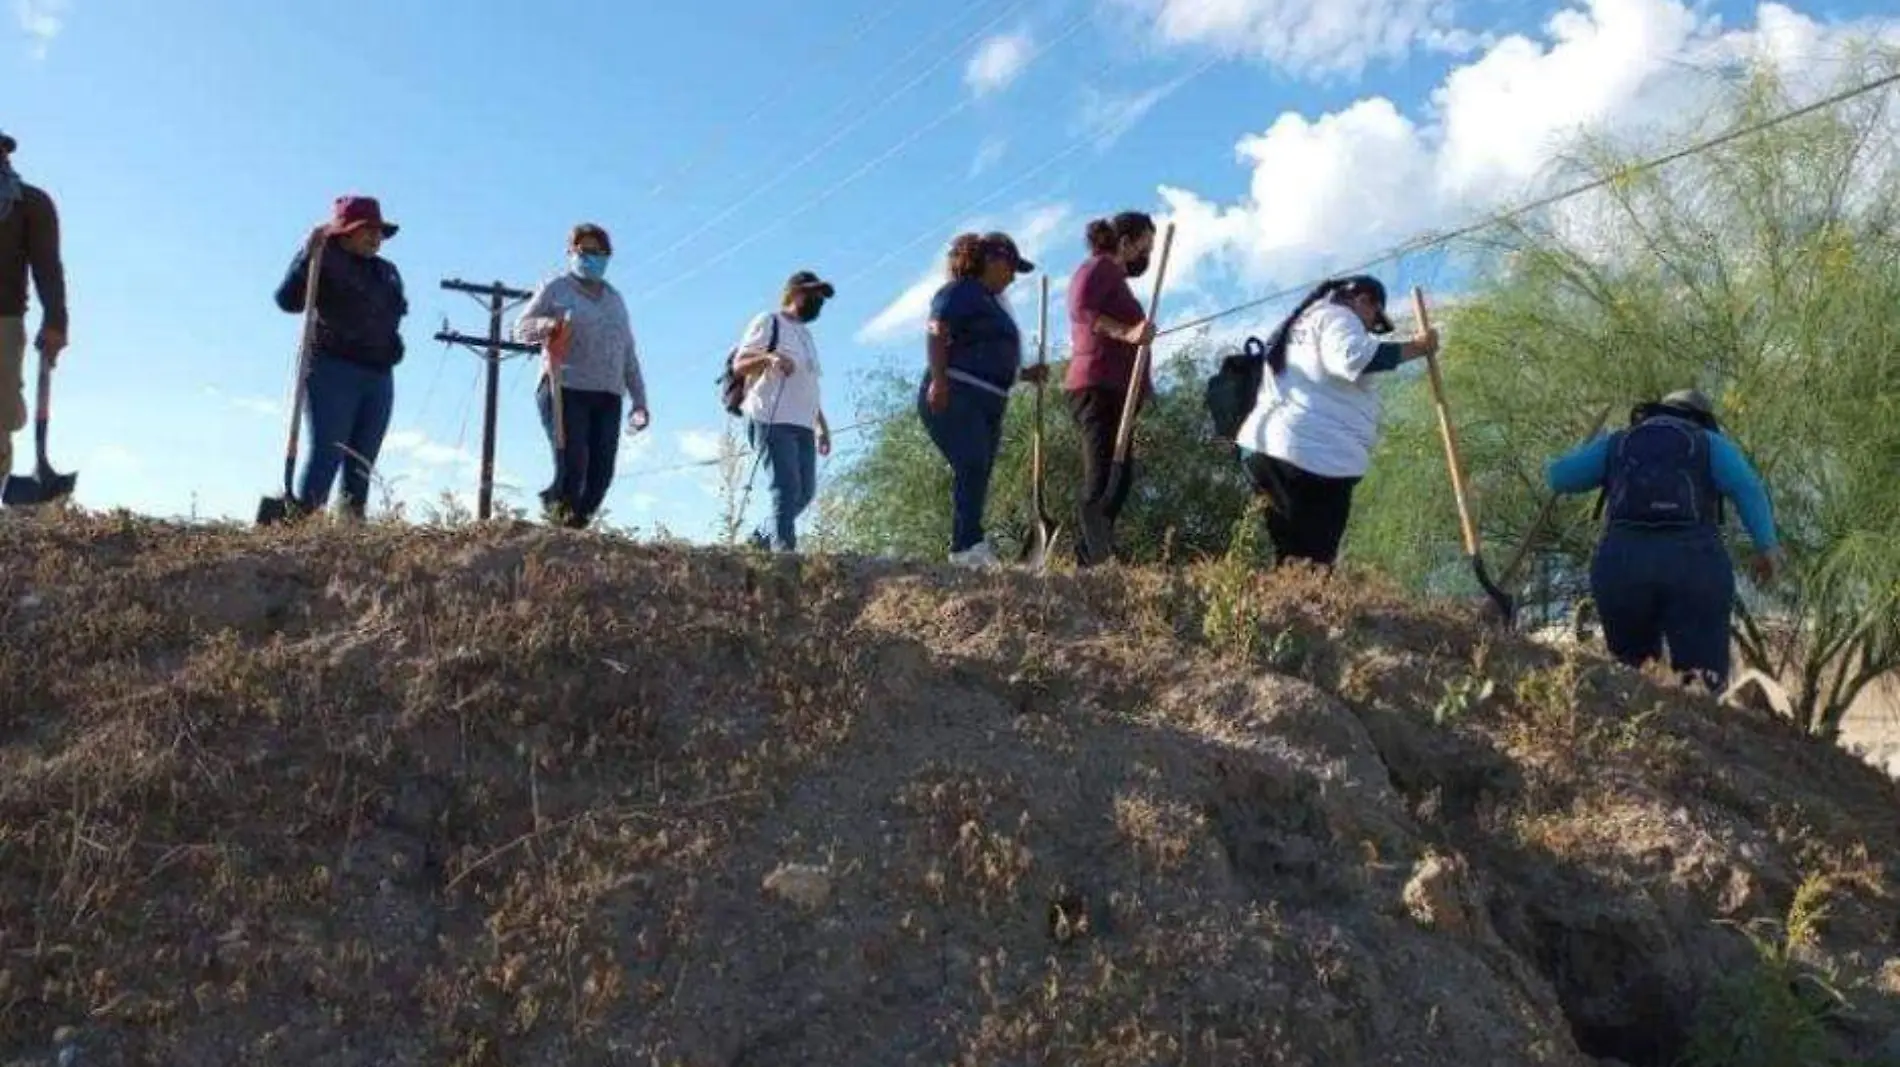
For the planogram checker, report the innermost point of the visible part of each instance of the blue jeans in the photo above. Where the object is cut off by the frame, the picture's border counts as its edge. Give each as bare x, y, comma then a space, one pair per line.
969, 434
790, 456
347, 409
1674, 588
591, 420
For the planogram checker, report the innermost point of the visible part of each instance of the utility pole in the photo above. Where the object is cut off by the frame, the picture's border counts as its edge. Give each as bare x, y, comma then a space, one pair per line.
490, 348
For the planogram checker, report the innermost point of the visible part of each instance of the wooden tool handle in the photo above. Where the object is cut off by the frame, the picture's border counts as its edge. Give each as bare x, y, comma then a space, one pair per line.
1446, 431
1142, 356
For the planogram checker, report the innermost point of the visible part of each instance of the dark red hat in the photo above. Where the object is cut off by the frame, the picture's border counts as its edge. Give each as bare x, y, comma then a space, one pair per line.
352, 213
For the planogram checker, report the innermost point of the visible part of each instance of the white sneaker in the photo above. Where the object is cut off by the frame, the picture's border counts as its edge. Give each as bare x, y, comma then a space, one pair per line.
979, 556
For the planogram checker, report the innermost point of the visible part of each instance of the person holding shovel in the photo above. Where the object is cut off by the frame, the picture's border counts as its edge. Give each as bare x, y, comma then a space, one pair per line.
785, 417
1309, 438
29, 243
349, 384
975, 355
1660, 574
1107, 327
593, 371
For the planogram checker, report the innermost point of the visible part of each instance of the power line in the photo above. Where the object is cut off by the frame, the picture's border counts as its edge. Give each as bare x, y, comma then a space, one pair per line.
1423, 242
1082, 141
776, 96
1428, 241
850, 179
779, 175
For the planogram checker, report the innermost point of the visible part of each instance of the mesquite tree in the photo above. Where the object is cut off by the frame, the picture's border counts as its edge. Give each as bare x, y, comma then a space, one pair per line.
1766, 272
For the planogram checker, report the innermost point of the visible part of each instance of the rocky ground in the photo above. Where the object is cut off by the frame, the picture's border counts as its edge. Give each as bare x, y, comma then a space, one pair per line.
519, 796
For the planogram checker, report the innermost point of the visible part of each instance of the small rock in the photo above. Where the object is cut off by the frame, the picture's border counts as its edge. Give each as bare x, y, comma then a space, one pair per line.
804, 885
1436, 895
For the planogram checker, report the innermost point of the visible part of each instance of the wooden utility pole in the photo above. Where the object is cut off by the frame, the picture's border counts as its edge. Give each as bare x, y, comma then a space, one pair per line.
500, 299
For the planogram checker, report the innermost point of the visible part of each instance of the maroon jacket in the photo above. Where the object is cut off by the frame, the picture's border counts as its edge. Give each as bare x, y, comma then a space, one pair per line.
29, 238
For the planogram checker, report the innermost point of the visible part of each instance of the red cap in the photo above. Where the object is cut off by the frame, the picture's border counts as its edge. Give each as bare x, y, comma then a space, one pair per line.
352, 213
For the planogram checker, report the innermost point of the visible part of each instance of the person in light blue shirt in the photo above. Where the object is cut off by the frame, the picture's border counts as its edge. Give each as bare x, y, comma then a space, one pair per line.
1660, 574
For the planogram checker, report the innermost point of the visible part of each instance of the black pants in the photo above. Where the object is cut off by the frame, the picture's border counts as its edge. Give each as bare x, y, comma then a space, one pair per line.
1098, 414
591, 421
1307, 512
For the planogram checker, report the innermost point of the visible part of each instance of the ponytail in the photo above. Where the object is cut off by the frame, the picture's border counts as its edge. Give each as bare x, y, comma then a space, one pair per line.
1106, 235
1276, 344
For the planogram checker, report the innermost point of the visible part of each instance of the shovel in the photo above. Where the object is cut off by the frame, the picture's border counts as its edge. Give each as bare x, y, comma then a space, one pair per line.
1097, 531
1509, 574
274, 510
1044, 530
556, 350
46, 485
1507, 608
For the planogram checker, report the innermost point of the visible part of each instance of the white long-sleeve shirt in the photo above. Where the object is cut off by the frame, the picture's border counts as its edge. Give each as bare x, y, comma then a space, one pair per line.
1322, 413
603, 357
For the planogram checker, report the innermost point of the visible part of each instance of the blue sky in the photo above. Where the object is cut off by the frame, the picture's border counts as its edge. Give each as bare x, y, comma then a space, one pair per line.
726, 143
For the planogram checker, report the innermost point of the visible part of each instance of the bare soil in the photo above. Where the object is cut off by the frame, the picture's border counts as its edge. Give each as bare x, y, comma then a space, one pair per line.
519, 796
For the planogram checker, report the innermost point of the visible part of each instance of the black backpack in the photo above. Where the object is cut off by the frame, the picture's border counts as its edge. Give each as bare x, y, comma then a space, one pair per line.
1659, 473
732, 386
1232, 390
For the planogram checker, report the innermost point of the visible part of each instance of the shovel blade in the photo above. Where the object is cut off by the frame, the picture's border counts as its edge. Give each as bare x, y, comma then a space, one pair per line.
42, 488
276, 510
1040, 545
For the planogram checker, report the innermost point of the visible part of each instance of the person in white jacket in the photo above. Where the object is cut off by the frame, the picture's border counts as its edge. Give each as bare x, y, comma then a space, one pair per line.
1309, 438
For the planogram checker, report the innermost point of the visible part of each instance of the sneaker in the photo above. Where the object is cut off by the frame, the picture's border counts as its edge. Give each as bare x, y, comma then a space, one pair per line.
979, 556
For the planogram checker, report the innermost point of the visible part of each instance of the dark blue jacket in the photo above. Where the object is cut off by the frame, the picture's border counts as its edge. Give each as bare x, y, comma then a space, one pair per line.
984, 342
360, 306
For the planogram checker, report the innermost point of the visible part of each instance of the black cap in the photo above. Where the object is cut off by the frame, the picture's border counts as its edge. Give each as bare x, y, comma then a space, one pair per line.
999, 244
805, 279
7, 144
1367, 285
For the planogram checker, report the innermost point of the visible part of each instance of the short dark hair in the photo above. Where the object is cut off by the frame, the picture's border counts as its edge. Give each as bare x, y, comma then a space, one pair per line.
1104, 235
588, 229
967, 255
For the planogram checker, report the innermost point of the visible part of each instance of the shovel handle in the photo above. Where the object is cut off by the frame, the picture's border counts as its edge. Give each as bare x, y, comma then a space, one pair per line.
312, 275
1509, 573
1447, 431
1143, 356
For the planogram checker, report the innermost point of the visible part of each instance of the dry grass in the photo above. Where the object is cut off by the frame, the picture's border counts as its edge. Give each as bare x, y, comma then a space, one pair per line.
512, 796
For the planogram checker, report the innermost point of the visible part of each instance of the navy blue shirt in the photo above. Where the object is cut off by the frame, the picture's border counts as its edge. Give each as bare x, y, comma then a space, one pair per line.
360, 306
983, 339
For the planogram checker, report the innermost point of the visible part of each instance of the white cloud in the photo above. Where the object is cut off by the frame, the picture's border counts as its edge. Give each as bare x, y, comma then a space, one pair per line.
988, 155
700, 446
421, 450
1303, 37
904, 316
1330, 191
997, 62
254, 405
41, 21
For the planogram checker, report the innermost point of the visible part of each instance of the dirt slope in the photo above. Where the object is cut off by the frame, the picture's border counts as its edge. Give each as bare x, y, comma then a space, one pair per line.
523, 797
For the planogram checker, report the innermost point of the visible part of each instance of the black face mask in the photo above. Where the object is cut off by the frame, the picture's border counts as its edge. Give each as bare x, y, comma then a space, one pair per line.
1138, 266
808, 307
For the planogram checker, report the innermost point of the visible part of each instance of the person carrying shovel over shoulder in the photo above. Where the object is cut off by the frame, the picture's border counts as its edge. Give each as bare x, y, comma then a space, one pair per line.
1309, 438
1107, 328
349, 385
1660, 574
584, 322
975, 356
29, 243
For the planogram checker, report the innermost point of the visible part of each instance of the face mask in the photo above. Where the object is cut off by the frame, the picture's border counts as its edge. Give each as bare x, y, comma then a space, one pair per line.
809, 307
1138, 266
589, 265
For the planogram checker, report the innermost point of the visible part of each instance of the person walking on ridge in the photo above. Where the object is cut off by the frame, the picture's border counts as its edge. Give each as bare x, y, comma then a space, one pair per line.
29, 243
1107, 327
1308, 440
599, 368
350, 383
975, 355
1660, 574
785, 418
